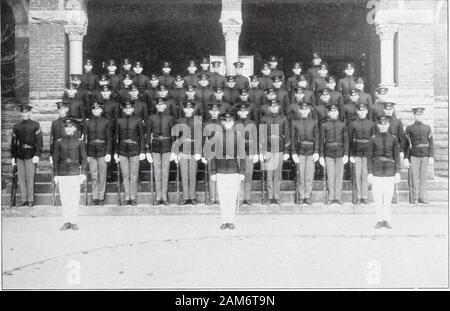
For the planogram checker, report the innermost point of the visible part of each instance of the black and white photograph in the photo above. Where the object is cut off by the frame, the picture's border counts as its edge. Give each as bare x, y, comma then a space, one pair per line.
224, 145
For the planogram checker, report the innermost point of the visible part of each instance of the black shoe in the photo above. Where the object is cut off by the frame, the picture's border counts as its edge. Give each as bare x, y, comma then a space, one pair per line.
394, 201
231, 226
185, 202
30, 204
127, 202
164, 202
101, 202
245, 203
338, 202
194, 202
386, 225
74, 227
364, 201
133, 202
379, 225
24, 204
223, 226
276, 201
159, 202
216, 202
95, 202
65, 226
423, 201
357, 201
307, 202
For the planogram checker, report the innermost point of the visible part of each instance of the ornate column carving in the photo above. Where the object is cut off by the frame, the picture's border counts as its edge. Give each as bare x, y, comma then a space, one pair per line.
231, 20
75, 34
386, 32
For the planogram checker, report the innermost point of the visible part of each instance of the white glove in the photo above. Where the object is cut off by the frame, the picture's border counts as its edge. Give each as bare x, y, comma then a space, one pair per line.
107, 158
261, 157
197, 157
241, 177
13, 162
397, 178
176, 158
141, 156
82, 178
286, 157
370, 178
255, 158
345, 159
406, 162
315, 157
204, 160
322, 161
352, 159
56, 179
402, 155
213, 177
116, 157
430, 161
149, 157
295, 158
35, 160
172, 157
51, 160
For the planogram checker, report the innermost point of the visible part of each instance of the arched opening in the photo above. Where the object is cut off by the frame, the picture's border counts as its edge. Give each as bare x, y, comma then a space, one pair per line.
293, 30
8, 58
153, 31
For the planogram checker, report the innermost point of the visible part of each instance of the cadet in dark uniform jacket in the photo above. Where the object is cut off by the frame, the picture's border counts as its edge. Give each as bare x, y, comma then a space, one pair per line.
111, 107
334, 152
191, 96
364, 98
383, 165
255, 93
78, 101
274, 148
335, 96
348, 111
114, 79
178, 91
320, 112
189, 153
98, 136
215, 78
149, 95
274, 71
204, 93
360, 131
26, 148
241, 81
125, 87
244, 98
308, 94
191, 77
102, 81
165, 78
265, 82
171, 106
281, 94
292, 81
126, 68
292, 111
140, 79
377, 108
158, 144
228, 172
348, 83
248, 129
89, 80
305, 150
217, 97
141, 110
231, 92
204, 64
313, 72
419, 152
395, 126
320, 82
69, 169
129, 149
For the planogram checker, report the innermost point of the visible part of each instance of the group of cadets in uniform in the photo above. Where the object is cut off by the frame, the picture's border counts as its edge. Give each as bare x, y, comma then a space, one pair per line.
322, 122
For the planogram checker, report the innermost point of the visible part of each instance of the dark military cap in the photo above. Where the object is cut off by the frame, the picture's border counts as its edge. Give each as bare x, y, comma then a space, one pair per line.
230, 78
103, 77
126, 61
316, 55
418, 110
382, 90
137, 64
216, 89
133, 86
62, 104
127, 75
216, 63
214, 105
205, 60
111, 62
277, 78
303, 77
192, 63
238, 64
361, 106
68, 122
154, 76
388, 105
274, 102
188, 104
24, 107
89, 62
106, 87
305, 105
266, 65
242, 105
75, 76
353, 91
204, 76
269, 90
178, 77
298, 89
243, 91
331, 79
96, 104
254, 78
383, 119
226, 116
190, 86
332, 106
349, 66
324, 91
166, 64
160, 100
297, 64
161, 87
273, 58
360, 80
323, 66
127, 104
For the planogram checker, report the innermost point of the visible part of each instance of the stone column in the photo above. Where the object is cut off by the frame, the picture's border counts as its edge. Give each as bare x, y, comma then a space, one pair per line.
75, 34
387, 33
231, 20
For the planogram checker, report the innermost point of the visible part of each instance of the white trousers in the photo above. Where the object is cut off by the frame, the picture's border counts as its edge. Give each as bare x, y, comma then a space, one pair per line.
383, 189
227, 189
69, 190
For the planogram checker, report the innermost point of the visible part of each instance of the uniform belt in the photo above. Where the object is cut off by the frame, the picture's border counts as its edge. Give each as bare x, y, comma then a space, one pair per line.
128, 141
335, 143
421, 145
27, 146
69, 160
304, 142
361, 140
162, 137
384, 159
188, 139
97, 141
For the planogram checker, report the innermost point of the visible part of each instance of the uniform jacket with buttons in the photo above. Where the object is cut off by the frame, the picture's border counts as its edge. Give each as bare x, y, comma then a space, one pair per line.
242, 82
89, 81
166, 80
69, 156
383, 158
231, 159
419, 140
216, 79
304, 136
26, 140
188, 143
130, 136
158, 129
333, 139
57, 131
359, 132
98, 136
280, 135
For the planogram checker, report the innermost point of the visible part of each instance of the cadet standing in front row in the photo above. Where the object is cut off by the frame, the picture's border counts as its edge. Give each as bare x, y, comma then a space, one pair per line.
419, 153
69, 169
383, 166
305, 150
26, 148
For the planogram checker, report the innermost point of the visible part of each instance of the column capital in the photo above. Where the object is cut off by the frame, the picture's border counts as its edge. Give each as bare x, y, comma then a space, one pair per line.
386, 31
75, 32
231, 33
